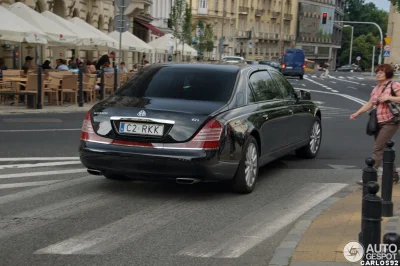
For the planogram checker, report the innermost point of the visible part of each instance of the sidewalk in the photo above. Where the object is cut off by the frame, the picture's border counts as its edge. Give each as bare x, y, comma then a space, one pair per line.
319, 240
67, 108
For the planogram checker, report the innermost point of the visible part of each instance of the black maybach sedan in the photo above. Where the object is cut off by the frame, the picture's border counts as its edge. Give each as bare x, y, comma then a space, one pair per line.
199, 123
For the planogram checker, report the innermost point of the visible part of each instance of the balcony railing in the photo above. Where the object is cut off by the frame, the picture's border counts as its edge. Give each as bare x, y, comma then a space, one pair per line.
275, 14
288, 16
243, 10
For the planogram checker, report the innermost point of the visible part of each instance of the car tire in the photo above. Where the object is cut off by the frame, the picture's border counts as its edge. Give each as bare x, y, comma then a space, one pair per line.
301, 77
242, 183
311, 150
115, 177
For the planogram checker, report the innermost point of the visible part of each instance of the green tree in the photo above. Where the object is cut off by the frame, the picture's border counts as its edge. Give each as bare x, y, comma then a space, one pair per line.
177, 18
363, 47
204, 33
187, 26
358, 10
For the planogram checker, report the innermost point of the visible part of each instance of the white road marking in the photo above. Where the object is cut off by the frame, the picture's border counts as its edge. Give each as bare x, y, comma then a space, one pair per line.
303, 85
32, 174
333, 82
341, 167
39, 130
344, 80
38, 159
350, 77
360, 78
46, 189
341, 77
335, 91
352, 88
256, 227
128, 229
363, 84
28, 184
32, 165
357, 100
59, 210
314, 76
319, 84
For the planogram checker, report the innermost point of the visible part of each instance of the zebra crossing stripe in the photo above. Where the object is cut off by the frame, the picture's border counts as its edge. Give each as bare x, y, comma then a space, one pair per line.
240, 237
111, 236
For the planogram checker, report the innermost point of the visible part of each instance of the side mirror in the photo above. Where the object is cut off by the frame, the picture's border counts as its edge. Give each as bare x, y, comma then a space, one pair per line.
303, 95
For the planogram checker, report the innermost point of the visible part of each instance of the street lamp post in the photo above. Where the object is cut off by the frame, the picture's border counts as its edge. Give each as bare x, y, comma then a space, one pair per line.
351, 42
370, 23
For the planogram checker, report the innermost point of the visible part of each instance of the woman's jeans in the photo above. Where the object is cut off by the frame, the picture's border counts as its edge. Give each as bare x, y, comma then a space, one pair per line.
385, 133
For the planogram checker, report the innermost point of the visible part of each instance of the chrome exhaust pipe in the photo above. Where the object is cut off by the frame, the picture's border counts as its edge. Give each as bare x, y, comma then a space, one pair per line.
187, 181
94, 172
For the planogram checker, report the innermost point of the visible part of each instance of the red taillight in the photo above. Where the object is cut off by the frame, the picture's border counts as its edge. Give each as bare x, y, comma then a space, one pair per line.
304, 66
283, 65
210, 134
87, 127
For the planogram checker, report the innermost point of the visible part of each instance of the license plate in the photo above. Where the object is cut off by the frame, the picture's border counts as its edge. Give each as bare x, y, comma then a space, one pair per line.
141, 129
289, 67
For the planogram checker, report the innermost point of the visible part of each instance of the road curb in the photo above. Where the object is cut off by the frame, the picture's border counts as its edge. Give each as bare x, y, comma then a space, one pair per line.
284, 252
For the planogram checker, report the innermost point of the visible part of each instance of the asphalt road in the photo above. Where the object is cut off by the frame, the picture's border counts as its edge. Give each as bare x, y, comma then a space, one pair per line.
53, 213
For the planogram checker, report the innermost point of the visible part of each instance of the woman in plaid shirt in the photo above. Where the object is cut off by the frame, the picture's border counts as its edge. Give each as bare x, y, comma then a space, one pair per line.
386, 90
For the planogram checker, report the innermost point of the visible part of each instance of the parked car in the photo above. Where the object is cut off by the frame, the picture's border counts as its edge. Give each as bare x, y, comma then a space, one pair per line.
233, 59
199, 122
349, 68
272, 64
293, 63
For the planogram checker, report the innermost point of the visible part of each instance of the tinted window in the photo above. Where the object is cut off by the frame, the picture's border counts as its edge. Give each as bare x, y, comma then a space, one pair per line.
284, 85
181, 83
264, 87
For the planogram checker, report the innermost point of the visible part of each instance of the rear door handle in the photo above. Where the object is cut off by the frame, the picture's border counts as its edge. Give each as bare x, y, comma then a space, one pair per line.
265, 116
291, 111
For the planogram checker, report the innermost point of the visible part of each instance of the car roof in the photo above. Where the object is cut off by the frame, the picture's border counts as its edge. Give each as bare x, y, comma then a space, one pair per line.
217, 66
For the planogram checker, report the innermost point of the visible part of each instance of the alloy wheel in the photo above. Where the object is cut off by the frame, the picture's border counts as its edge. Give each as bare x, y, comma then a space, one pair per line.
315, 138
251, 164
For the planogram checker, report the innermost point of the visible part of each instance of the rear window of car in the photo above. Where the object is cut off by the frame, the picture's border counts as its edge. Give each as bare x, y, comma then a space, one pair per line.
181, 83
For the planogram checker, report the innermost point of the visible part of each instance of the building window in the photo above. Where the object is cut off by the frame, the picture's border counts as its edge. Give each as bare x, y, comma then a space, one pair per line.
203, 3
232, 6
216, 4
231, 30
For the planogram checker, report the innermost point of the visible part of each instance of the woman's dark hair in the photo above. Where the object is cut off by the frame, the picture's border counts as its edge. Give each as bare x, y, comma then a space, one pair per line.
47, 62
2, 62
88, 63
388, 69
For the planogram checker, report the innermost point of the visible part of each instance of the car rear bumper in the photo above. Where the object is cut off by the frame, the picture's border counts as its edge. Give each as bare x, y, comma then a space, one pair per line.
292, 72
155, 164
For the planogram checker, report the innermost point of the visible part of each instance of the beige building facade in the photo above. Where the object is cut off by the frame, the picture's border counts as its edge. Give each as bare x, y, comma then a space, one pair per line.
254, 29
394, 33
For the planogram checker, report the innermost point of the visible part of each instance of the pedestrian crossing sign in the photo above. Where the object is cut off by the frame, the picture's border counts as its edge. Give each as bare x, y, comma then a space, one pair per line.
386, 53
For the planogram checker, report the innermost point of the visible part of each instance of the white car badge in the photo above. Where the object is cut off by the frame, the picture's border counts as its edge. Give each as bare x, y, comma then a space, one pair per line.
142, 113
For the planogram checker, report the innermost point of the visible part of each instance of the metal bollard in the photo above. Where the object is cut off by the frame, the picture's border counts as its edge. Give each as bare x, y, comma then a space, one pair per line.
39, 88
115, 79
102, 84
387, 179
80, 92
392, 239
369, 175
372, 217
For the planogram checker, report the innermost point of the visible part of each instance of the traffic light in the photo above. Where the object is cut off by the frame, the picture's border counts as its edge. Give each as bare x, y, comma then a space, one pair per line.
324, 17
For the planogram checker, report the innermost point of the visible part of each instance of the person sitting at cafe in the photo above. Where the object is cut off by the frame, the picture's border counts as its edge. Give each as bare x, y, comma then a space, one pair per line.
122, 68
46, 65
61, 65
28, 64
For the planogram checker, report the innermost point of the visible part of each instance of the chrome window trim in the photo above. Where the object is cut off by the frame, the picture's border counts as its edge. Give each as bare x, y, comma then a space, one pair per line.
143, 119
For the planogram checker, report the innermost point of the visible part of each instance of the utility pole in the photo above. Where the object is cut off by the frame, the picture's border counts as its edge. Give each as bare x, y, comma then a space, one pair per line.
222, 40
